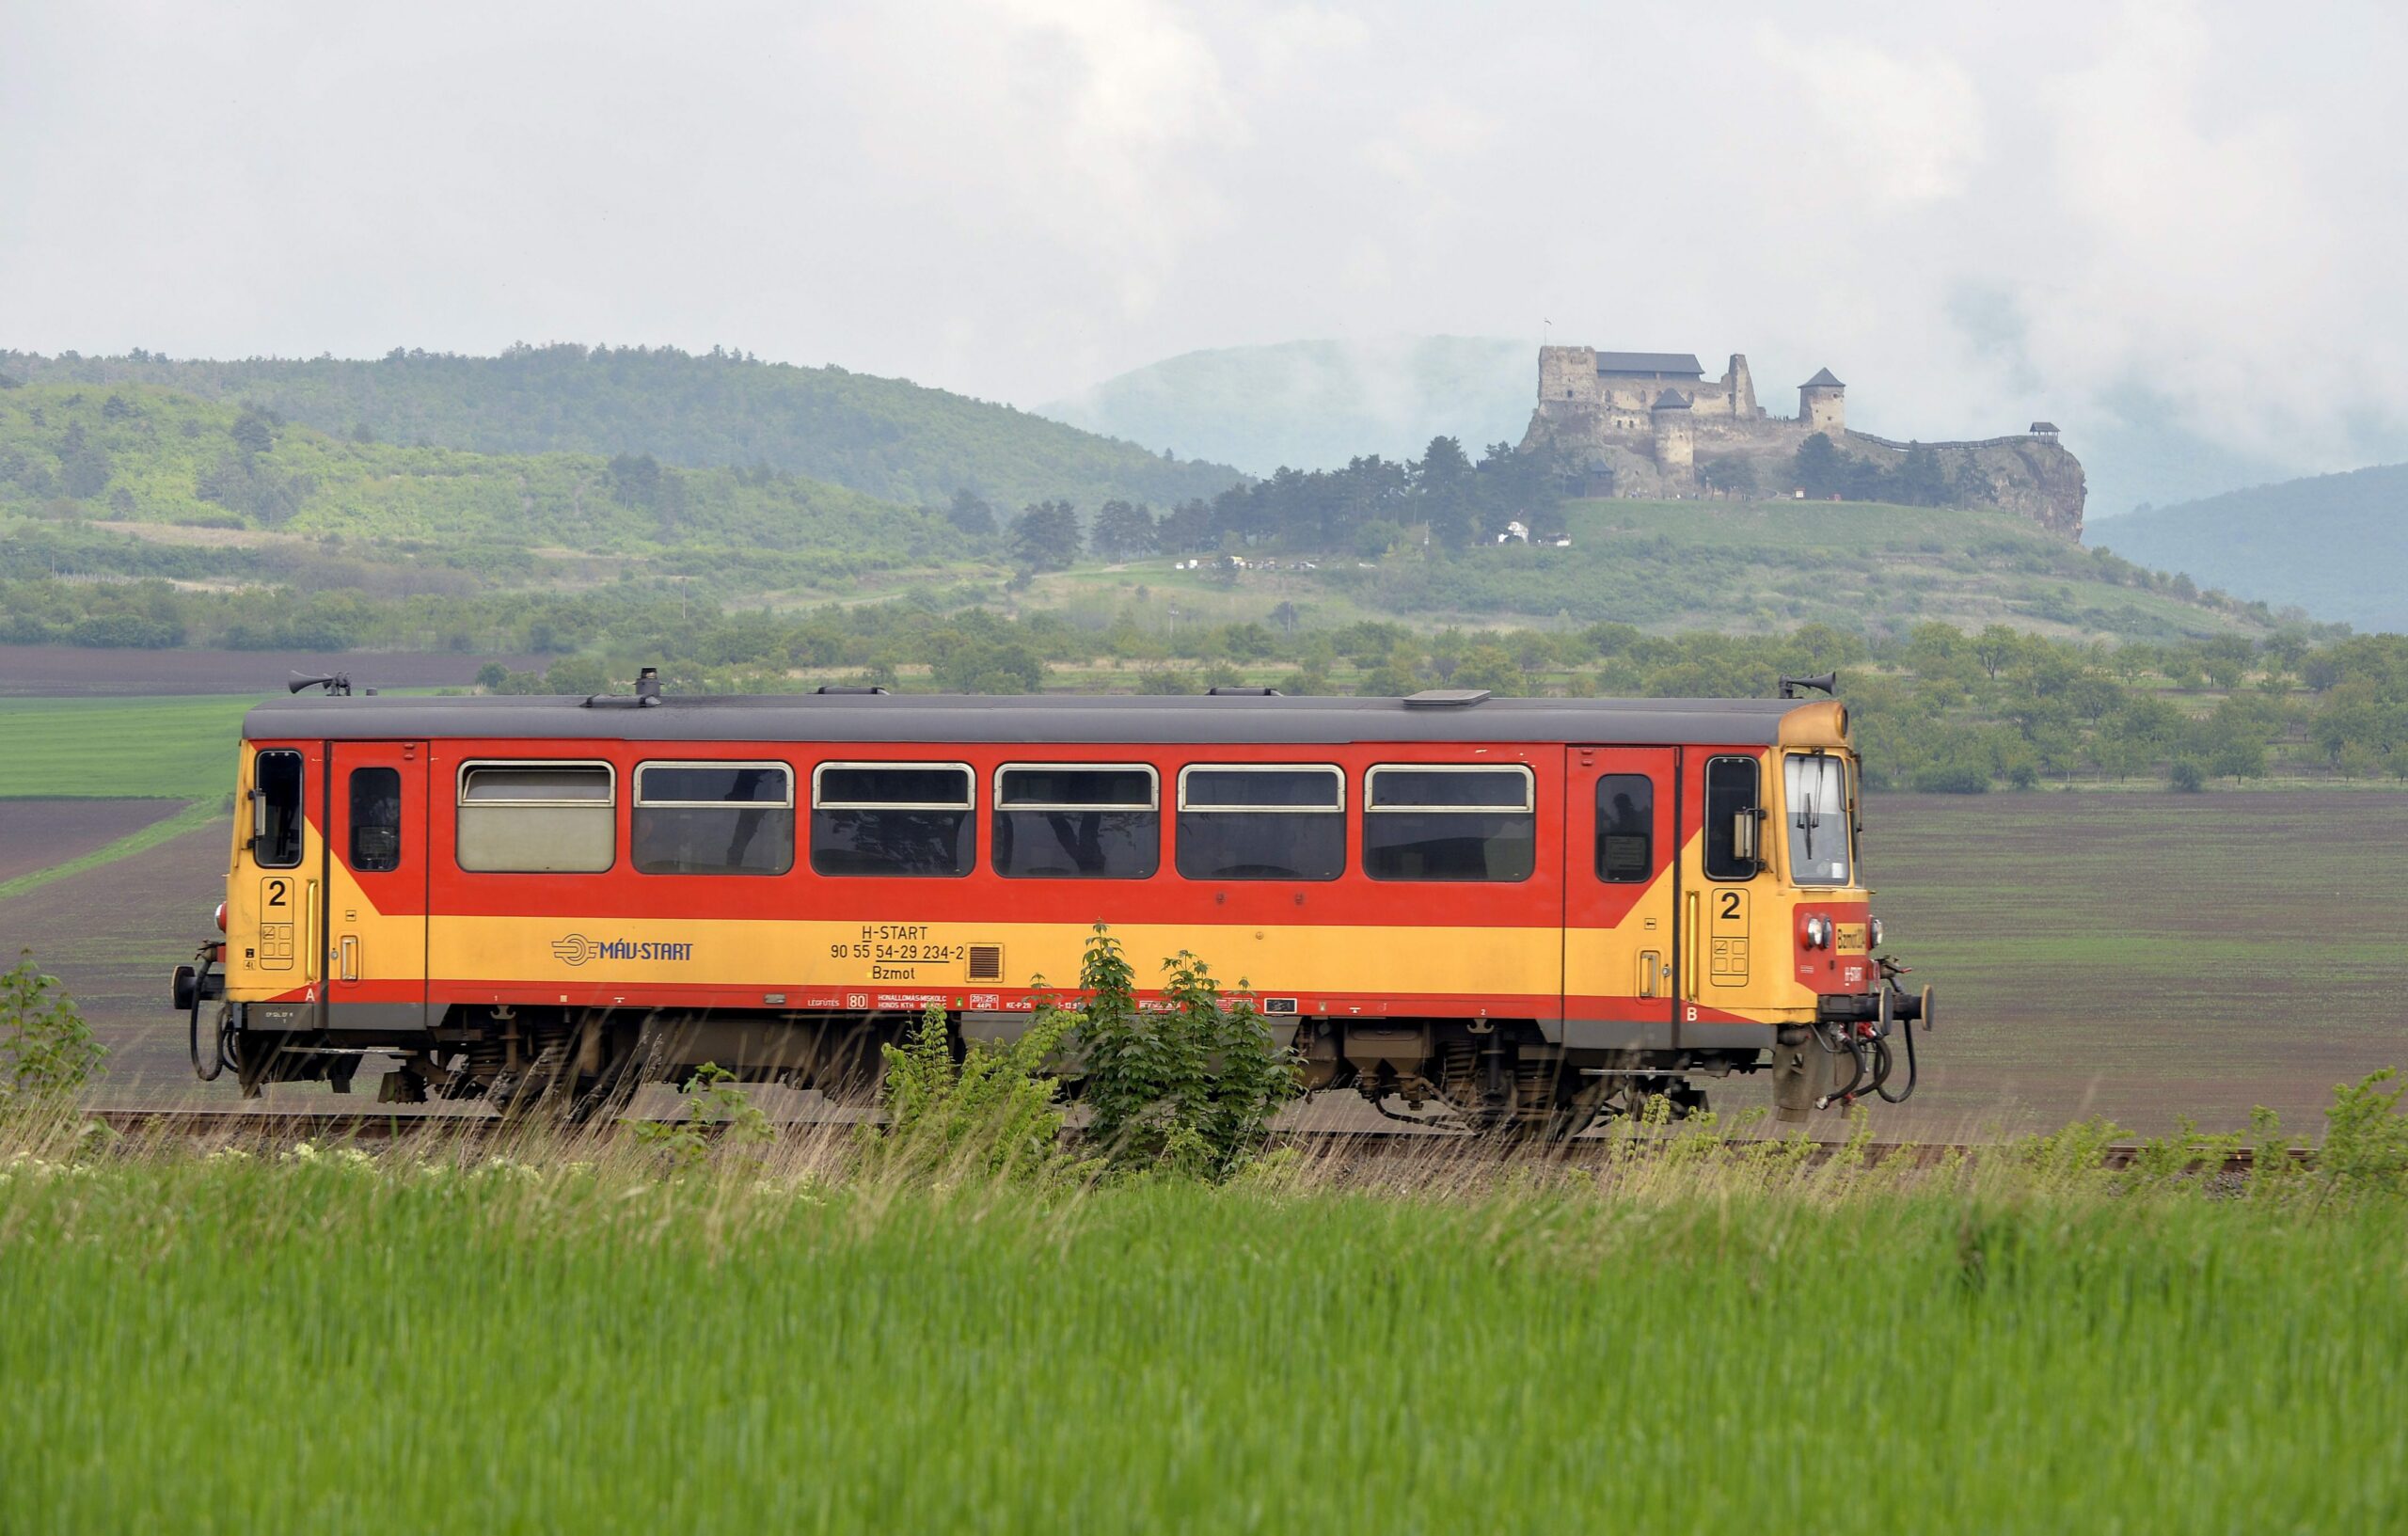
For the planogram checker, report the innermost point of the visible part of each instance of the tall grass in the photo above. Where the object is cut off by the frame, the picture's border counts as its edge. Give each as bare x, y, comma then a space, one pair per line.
580, 1336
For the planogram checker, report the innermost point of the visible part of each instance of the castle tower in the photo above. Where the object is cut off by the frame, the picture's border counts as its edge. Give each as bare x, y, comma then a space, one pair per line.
1822, 405
1742, 387
1568, 374
1675, 433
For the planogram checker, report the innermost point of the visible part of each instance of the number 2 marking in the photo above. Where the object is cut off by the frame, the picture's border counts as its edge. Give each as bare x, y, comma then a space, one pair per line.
1731, 904
276, 893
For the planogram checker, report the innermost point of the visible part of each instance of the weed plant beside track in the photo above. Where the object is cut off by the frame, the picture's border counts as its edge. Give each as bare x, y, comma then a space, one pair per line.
578, 1335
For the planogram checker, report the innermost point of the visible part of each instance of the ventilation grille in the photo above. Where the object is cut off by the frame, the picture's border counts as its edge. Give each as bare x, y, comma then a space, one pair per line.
986, 963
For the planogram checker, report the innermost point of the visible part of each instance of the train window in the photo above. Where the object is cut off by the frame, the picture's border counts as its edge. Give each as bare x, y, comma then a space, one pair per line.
1730, 794
1249, 821
1625, 828
1450, 822
537, 818
1077, 821
712, 818
1815, 808
375, 820
892, 818
275, 809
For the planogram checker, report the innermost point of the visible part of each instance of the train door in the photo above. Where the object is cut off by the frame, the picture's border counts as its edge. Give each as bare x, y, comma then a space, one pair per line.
1620, 898
1724, 957
376, 885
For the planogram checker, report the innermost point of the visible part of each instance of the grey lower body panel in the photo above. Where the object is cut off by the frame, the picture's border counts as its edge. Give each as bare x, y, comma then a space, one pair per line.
1662, 1035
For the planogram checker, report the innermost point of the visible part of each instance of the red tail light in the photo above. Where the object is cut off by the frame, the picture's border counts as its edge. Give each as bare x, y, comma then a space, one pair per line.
221, 917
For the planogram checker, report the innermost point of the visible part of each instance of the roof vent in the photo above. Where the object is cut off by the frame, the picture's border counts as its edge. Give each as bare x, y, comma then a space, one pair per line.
1231, 691
850, 689
1433, 697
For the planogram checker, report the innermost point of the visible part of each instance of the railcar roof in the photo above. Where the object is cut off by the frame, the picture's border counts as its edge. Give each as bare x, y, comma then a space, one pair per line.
1148, 720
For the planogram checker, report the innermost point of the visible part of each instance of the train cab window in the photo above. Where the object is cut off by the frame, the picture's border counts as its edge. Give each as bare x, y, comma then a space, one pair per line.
1253, 821
713, 818
375, 820
1731, 792
1450, 822
537, 818
1625, 828
1077, 821
1814, 789
275, 809
892, 818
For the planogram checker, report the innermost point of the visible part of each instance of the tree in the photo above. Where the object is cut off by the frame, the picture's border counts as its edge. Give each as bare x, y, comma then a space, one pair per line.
1442, 492
1045, 536
254, 431
1123, 532
85, 471
1820, 469
1187, 528
1920, 481
1995, 647
971, 515
362, 432
1732, 475
635, 480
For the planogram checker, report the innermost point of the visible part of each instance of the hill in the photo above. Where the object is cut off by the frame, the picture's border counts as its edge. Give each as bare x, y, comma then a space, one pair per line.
141, 480
886, 437
2334, 544
1736, 567
1316, 405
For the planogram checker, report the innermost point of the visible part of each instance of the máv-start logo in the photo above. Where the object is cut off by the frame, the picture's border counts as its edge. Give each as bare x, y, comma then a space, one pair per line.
575, 949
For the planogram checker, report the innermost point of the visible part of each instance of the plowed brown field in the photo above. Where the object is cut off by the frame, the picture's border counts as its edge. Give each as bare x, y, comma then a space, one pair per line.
2136, 956
35, 835
69, 672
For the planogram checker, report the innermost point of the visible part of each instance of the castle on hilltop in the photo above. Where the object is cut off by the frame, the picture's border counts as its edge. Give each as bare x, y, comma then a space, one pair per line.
1651, 424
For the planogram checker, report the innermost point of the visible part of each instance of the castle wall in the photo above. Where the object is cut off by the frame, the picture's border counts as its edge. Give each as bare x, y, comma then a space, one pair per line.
1607, 427
1675, 444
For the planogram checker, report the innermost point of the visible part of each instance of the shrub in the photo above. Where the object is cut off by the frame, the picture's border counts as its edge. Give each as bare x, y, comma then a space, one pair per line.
47, 1050
993, 1108
1187, 1089
713, 1105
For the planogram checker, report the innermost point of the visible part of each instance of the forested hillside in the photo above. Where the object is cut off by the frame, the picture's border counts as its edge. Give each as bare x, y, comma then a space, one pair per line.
2334, 544
888, 437
101, 485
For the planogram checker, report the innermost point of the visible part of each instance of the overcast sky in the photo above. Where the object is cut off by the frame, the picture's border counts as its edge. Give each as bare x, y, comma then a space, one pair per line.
1974, 215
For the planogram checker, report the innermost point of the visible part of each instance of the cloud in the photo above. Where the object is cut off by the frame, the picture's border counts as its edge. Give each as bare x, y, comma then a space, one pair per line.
2094, 213
1901, 129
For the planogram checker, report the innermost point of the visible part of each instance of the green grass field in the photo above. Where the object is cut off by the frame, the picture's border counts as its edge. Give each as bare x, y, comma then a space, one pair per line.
115, 748
329, 1345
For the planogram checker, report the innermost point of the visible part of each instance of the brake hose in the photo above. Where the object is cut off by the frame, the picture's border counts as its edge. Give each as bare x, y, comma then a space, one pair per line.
1909, 1091
204, 962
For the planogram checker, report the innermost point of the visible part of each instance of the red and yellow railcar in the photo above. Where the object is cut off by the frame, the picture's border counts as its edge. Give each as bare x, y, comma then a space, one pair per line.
1526, 909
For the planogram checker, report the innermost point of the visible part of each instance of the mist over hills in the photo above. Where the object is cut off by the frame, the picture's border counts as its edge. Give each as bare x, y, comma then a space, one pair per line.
2334, 544
1317, 405
886, 437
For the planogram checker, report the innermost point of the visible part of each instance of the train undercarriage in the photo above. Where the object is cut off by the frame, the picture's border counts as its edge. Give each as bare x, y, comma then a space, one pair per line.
1463, 1075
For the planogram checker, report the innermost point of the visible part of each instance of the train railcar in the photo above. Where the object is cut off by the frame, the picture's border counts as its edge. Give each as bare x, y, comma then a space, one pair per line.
1511, 910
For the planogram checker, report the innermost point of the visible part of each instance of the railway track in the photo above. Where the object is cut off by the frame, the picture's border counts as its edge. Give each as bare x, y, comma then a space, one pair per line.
285, 1128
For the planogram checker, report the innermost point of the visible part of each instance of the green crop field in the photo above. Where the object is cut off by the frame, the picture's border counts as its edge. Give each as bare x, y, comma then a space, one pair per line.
110, 747
118, 747
431, 1342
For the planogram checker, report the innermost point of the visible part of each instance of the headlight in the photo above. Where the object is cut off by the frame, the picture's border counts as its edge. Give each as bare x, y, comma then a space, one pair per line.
1873, 928
1818, 933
